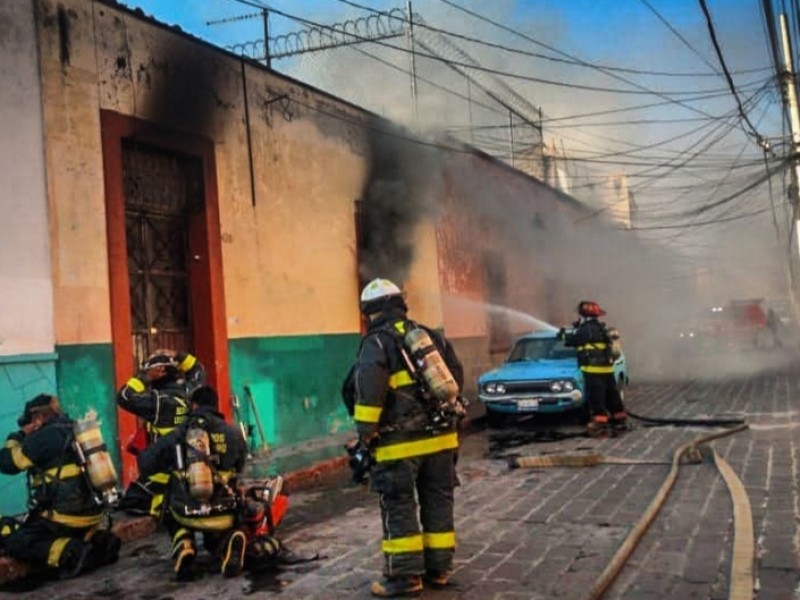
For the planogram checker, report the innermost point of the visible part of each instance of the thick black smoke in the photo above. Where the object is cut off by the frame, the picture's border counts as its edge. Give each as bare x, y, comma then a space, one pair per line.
397, 194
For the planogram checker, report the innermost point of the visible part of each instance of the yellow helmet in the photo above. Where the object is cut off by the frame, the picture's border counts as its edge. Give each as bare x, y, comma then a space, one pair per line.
379, 294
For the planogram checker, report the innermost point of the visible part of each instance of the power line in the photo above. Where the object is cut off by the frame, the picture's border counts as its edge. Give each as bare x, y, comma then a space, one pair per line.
566, 61
677, 33
759, 140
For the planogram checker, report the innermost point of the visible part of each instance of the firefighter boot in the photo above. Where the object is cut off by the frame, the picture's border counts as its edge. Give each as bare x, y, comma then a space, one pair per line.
75, 559
105, 548
437, 579
597, 427
392, 587
619, 421
184, 553
233, 554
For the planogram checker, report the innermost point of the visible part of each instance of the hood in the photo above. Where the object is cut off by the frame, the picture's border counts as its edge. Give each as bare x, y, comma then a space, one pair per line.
534, 369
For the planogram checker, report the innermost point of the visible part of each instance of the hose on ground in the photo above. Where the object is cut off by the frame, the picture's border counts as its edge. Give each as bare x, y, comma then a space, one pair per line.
713, 422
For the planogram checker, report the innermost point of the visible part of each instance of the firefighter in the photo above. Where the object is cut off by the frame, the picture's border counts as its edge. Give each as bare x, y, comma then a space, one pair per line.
414, 441
204, 456
62, 530
157, 395
594, 342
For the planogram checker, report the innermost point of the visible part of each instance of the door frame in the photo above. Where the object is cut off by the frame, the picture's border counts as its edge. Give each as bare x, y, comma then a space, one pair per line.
207, 292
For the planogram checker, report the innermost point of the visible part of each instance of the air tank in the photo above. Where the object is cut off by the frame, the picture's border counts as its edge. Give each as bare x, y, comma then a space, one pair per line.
97, 461
431, 366
198, 474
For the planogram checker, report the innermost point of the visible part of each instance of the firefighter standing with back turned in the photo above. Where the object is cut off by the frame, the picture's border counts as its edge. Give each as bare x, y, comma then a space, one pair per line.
159, 396
63, 528
413, 437
594, 341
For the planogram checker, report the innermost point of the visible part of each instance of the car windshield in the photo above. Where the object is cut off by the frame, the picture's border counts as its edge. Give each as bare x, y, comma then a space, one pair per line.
538, 349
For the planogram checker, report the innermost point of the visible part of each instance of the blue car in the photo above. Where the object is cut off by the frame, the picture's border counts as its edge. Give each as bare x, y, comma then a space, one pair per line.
540, 375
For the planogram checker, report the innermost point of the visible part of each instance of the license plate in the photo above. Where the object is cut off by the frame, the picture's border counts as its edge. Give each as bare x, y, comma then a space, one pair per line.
528, 403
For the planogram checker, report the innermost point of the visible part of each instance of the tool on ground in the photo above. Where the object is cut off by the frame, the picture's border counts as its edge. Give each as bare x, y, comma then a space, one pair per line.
264, 445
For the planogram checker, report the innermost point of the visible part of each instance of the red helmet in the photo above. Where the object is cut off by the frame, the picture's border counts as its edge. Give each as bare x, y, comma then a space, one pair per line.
587, 308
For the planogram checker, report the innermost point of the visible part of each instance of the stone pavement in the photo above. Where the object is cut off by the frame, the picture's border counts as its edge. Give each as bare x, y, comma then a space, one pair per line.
548, 533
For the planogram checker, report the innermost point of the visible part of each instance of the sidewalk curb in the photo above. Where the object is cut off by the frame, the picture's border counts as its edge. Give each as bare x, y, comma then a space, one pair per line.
300, 480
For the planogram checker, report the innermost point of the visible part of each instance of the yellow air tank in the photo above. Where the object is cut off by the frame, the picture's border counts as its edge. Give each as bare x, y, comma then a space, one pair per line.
198, 473
97, 461
431, 365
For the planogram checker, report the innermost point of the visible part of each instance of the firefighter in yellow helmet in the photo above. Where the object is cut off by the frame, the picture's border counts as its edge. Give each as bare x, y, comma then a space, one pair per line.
595, 344
413, 438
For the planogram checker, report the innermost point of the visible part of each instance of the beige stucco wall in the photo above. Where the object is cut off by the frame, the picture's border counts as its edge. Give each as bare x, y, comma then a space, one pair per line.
289, 258
26, 309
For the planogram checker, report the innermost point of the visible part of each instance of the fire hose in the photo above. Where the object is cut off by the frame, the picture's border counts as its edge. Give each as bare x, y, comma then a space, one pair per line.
741, 572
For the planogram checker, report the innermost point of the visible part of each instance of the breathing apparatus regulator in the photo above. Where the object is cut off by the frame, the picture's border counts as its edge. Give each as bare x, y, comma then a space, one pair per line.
93, 457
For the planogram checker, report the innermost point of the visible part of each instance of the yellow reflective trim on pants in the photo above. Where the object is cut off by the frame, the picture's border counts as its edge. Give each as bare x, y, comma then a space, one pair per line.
431, 445
56, 550
180, 534
439, 541
400, 379
598, 370
77, 521
215, 523
21, 461
187, 363
155, 504
411, 543
135, 384
367, 414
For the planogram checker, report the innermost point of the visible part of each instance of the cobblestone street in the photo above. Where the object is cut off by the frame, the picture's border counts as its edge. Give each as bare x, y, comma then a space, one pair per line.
549, 532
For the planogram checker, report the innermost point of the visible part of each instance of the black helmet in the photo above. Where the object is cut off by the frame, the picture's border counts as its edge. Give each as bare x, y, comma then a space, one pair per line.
41, 403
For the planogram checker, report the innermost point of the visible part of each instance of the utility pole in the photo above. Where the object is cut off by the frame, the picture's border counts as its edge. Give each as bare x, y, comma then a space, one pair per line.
267, 59
412, 52
789, 82
511, 135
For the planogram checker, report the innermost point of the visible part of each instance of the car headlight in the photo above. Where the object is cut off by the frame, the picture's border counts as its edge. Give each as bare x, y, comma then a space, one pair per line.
501, 388
569, 385
490, 388
556, 386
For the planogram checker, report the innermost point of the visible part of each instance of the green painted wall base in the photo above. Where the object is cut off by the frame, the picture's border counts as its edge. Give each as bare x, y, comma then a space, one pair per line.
86, 383
293, 383
22, 377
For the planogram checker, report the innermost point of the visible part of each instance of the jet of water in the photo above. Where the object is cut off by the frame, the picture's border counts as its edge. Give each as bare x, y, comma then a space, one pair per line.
513, 314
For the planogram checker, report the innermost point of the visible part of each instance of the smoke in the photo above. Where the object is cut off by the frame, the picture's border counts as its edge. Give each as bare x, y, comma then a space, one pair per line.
398, 193
653, 283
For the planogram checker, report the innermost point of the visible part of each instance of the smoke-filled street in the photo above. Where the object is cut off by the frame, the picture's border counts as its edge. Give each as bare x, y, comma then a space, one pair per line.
549, 532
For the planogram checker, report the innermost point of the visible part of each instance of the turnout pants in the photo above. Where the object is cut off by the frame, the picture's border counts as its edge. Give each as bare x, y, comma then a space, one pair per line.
44, 542
417, 537
602, 396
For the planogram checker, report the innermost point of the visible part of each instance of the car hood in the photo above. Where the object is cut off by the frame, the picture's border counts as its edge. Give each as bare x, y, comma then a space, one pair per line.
534, 369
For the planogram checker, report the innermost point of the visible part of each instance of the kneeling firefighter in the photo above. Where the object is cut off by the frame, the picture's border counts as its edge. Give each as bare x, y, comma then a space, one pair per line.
71, 486
403, 390
597, 347
205, 456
